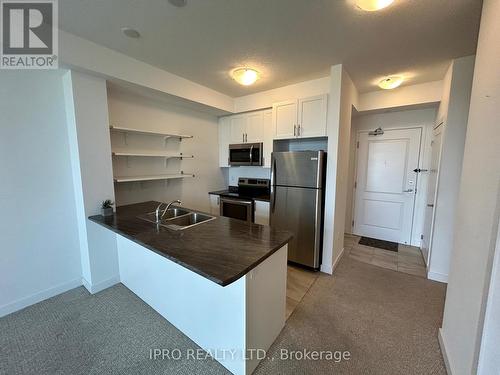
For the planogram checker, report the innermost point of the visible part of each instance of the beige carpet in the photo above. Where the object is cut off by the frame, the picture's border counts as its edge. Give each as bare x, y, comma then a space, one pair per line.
387, 320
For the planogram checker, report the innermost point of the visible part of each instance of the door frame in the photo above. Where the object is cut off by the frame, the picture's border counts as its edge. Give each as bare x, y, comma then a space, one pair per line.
420, 196
440, 128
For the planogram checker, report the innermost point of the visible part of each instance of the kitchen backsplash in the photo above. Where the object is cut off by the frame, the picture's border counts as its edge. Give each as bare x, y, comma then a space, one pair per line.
256, 172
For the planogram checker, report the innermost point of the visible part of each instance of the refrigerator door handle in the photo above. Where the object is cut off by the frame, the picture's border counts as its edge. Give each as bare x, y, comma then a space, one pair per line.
273, 183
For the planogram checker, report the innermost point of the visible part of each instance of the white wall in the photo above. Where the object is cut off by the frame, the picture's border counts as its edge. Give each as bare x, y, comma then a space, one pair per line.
450, 167
478, 206
343, 98
423, 118
39, 247
127, 109
414, 95
88, 134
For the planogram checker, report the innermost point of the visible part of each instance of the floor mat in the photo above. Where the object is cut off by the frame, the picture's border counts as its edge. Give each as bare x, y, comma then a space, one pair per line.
381, 244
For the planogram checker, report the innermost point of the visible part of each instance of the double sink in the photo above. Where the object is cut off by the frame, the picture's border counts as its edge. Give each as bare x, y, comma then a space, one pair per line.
177, 218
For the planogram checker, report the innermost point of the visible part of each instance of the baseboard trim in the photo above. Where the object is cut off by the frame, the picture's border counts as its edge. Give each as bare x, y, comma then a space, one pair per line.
443, 352
96, 288
436, 276
38, 297
329, 269
337, 261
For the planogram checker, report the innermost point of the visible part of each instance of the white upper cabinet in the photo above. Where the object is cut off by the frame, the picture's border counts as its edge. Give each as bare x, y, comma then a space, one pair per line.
305, 117
312, 116
252, 127
238, 128
255, 127
224, 141
285, 119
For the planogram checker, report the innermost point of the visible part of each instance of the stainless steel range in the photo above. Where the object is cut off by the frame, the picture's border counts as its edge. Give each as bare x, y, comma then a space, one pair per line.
238, 203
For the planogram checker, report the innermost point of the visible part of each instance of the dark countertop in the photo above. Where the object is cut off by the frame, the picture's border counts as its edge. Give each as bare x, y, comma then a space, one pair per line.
222, 250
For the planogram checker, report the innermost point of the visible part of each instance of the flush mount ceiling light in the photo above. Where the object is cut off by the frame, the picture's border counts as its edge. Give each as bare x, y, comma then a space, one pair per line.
130, 32
373, 5
245, 76
178, 3
390, 83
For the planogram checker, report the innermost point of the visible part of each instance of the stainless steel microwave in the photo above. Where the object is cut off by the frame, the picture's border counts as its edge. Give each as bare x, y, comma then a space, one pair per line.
245, 154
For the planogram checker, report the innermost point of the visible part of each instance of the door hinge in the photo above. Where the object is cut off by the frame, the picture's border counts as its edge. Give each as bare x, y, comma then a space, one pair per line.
355, 184
357, 144
421, 236
353, 223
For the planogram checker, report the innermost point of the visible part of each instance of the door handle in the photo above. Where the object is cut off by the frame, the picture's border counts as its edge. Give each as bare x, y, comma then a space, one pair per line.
430, 205
408, 191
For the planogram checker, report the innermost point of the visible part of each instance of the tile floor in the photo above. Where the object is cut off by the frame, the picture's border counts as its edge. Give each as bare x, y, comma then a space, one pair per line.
408, 259
298, 282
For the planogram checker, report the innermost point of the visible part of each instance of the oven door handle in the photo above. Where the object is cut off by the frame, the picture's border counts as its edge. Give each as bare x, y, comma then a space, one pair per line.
236, 201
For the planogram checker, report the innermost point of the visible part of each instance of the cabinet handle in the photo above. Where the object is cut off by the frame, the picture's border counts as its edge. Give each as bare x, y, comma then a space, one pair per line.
298, 130
295, 130
243, 137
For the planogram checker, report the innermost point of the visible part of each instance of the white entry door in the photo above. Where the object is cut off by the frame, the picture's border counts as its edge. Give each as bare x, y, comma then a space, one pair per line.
431, 192
386, 183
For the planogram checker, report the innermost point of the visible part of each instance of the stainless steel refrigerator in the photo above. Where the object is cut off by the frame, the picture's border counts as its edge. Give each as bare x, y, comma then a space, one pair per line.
297, 200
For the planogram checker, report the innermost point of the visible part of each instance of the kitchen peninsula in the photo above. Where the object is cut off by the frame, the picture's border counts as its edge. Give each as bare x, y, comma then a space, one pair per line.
221, 282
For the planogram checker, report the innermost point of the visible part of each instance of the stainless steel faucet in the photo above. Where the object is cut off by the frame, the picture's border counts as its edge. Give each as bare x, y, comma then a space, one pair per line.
157, 211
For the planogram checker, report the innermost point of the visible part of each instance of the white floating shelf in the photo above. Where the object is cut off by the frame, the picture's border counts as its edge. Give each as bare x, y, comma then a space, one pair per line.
148, 132
153, 177
152, 154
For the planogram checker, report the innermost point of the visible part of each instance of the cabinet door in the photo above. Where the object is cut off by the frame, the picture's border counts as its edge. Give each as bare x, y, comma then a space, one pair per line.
255, 127
224, 140
261, 212
268, 138
285, 119
214, 204
312, 116
238, 128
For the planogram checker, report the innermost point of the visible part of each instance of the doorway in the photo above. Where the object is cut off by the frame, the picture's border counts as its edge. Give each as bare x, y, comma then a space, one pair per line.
431, 191
386, 184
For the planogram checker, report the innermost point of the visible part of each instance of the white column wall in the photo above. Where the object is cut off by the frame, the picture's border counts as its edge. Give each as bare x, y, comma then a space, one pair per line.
88, 132
478, 207
452, 148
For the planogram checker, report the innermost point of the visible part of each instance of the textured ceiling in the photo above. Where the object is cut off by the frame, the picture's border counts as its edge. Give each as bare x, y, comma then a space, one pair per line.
287, 40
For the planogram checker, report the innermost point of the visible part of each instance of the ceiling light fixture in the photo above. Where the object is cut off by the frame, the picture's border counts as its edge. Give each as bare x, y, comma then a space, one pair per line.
245, 76
178, 3
390, 83
130, 32
373, 5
